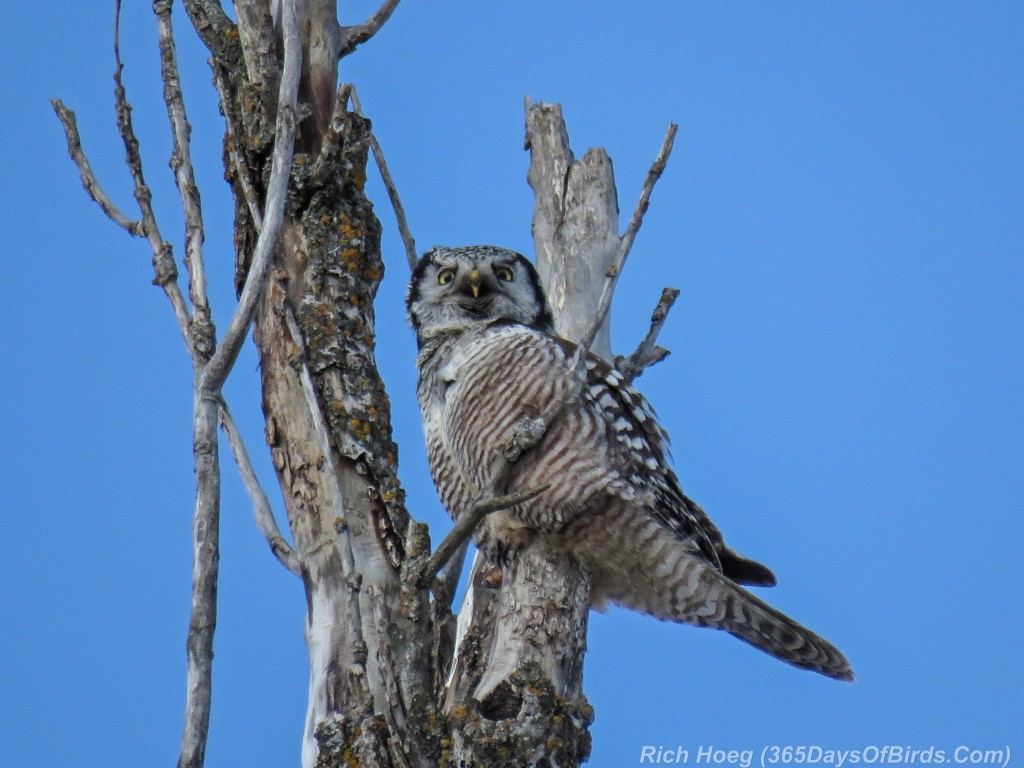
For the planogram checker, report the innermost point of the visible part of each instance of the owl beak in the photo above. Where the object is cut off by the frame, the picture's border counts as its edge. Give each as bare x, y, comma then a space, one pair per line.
474, 282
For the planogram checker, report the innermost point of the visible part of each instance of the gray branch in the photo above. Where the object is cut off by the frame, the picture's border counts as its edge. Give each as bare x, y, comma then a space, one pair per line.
205, 569
649, 353
163, 261
284, 145
184, 176
354, 36
467, 523
625, 245
256, 33
92, 186
213, 25
392, 190
231, 138
261, 509
343, 541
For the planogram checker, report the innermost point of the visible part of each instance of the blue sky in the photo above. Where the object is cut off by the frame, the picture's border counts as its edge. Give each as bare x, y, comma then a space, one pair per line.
844, 215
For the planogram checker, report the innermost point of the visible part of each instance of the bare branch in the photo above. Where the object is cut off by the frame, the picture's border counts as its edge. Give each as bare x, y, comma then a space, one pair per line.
625, 245
352, 37
284, 145
447, 580
205, 568
467, 523
389, 185
163, 261
212, 24
261, 509
235, 153
92, 186
181, 160
649, 353
343, 541
256, 33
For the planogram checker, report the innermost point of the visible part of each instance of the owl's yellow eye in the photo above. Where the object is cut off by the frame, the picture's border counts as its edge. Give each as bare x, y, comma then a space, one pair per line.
445, 276
503, 273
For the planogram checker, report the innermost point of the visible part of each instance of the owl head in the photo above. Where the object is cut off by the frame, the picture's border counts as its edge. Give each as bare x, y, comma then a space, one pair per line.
457, 288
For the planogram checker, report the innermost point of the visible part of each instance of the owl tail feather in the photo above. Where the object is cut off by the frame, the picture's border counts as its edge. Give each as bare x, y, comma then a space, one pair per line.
754, 621
690, 590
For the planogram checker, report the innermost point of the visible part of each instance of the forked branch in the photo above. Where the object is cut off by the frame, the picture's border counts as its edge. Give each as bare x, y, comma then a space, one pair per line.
625, 245
649, 353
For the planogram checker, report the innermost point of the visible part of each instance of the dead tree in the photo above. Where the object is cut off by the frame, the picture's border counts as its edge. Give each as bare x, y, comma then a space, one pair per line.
393, 680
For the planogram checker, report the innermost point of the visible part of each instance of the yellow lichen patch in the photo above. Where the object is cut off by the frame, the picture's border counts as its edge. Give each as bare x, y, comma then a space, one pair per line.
350, 258
373, 273
461, 712
360, 429
348, 231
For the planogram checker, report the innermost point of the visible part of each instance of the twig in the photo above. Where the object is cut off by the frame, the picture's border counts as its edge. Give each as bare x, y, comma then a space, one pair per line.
354, 36
235, 153
389, 185
164, 267
344, 543
649, 353
181, 160
92, 186
625, 244
261, 509
224, 358
467, 523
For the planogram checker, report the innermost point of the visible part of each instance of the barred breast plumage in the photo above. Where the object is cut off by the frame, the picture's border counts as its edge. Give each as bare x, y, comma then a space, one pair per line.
488, 361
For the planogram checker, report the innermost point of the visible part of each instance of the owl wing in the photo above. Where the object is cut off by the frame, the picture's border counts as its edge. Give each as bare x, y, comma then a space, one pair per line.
606, 440
645, 450
609, 495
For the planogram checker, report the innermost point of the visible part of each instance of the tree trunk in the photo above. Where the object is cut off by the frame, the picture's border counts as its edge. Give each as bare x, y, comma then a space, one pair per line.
392, 683
377, 656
